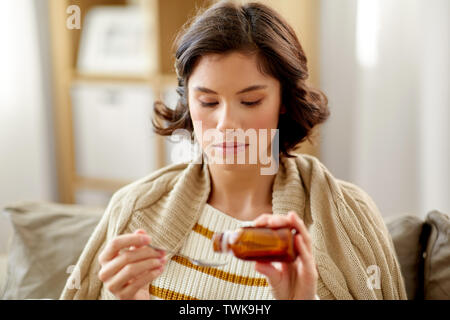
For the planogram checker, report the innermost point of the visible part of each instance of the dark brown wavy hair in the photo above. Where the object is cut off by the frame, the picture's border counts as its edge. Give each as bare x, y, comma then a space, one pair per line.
251, 28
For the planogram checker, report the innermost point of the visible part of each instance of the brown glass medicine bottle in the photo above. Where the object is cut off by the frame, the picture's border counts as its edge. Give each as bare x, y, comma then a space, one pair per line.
257, 244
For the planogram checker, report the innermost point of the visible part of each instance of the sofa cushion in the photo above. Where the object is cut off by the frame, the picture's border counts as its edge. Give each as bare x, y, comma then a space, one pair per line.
437, 257
47, 240
406, 234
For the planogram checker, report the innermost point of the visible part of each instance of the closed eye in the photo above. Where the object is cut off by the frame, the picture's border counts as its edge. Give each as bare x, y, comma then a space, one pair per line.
247, 103
208, 104
252, 103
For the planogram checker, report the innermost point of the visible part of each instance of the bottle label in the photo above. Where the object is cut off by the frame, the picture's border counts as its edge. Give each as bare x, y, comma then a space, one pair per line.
260, 244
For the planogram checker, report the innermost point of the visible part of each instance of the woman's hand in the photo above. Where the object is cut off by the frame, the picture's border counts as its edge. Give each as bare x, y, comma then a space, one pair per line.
296, 280
128, 265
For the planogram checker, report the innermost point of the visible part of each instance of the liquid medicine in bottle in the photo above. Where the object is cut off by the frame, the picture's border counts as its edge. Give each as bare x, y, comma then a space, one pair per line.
257, 244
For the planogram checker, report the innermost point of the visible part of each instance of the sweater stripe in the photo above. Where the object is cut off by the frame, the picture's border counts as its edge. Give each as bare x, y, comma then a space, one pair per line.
203, 231
182, 279
167, 294
223, 275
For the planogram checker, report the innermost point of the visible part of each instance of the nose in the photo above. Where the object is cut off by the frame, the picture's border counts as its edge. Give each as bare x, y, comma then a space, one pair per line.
227, 119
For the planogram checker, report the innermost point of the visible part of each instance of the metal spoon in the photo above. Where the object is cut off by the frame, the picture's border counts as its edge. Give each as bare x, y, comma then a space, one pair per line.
197, 262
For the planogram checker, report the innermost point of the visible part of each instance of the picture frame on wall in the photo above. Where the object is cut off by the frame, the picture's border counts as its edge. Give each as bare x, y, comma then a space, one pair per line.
117, 40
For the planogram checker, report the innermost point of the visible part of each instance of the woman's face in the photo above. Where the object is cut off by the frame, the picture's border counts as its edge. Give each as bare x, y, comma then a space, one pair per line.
227, 92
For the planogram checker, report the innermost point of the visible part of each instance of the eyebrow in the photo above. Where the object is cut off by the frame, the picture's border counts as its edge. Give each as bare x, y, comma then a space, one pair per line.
251, 88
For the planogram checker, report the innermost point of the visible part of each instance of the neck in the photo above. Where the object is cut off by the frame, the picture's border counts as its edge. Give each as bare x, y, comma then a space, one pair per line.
243, 193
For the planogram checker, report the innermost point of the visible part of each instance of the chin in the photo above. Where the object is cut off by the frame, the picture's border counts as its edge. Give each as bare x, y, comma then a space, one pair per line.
235, 166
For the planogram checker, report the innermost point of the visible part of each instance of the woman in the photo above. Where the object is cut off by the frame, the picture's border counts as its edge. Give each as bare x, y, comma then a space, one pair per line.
241, 74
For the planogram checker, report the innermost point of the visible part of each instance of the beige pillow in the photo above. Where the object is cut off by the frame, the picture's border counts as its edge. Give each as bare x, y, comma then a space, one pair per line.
437, 261
48, 238
406, 235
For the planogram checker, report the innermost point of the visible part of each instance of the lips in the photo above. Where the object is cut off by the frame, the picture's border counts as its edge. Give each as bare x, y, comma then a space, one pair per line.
230, 145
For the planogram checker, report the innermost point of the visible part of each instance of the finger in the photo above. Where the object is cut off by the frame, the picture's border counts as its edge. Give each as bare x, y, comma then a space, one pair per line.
138, 231
299, 225
272, 273
128, 257
120, 242
130, 271
141, 281
298, 244
273, 221
309, 268
279, 221
262, 220
306, 257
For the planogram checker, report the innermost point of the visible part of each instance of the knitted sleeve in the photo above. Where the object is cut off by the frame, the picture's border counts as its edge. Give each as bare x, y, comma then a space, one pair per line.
386, 267
83, 283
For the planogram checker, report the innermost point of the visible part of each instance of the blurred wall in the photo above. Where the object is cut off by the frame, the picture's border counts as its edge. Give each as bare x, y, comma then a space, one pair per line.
27, 163
389, 125
384, 68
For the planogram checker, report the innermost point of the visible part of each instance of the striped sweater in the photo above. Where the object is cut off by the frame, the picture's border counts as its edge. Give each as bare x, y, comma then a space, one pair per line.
347, 231
183, 280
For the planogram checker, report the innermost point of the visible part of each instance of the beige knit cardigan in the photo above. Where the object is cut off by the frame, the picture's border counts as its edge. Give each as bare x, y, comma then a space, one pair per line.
351, 244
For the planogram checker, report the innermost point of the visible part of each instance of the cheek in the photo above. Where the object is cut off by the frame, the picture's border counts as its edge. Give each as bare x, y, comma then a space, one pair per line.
201, 121
195, 114
267, 119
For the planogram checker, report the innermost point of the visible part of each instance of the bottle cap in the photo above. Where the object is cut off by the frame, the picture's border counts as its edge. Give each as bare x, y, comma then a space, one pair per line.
247, 224
217, 241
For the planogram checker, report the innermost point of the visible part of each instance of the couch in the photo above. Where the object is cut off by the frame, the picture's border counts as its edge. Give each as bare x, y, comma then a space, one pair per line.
48, 238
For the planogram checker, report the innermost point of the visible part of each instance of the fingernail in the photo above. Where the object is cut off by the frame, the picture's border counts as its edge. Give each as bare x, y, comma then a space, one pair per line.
145, 239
